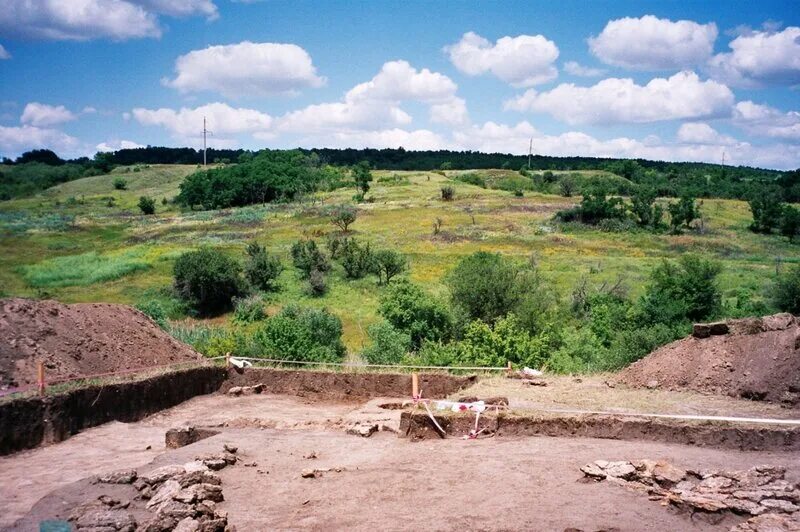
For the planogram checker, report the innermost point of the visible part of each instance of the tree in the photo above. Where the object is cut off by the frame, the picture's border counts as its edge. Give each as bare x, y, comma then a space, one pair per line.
342, 216
786, 291
686, 289
261, 268
208, 280
683, 213
297, 333
765, 204
147, 205
388, 263
362, 177
410, 310
567, 186
120, 183
357, 260
448, 193
307, 257
47, 157
645, 209
790, 222
388, 346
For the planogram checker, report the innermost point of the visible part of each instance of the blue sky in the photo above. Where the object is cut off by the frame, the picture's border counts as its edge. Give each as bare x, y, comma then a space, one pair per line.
660, 80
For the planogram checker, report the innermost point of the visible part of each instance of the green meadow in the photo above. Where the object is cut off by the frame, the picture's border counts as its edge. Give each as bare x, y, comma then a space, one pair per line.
86, 241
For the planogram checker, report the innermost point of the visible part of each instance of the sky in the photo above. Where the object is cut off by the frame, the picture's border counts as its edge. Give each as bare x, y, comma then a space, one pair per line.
666, 80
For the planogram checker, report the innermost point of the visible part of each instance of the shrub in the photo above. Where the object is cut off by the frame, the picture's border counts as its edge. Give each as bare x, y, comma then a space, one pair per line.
484, 345
249, 309
261, 268
362, 177
518, 193
297, 333
342, 216
387, 264
686, 289
147, 205
448, 193
472, 178
410, 310
567, 186
357, 260
595, 207
790, 222
155, 311
645, 209
388, 346
683, 213
581, 351
316, 283
786, 292
307, 257
765, 204
120, 183
208, 280
630, 345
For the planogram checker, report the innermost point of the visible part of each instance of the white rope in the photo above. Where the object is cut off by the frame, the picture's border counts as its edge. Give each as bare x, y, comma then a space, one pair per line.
354, 365
430, 415
666, 416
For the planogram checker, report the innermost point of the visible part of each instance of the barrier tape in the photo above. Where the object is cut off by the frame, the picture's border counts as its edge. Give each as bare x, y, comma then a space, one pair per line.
355, 365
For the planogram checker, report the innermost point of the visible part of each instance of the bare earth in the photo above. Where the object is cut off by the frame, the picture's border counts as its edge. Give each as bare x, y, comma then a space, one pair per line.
387, 483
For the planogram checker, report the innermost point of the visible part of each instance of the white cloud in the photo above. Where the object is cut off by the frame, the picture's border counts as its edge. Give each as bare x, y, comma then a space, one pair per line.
4, 54
760, 58
420, 139
83, 20
114, 145
15, 140
375, 105
651, 43
702, 133
41, 114
89, 110
576, 69
222, 119
615, 100
246, 68
767, 121
522, 61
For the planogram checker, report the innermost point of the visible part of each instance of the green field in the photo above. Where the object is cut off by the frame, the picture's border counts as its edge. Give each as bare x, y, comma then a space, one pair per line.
74, 244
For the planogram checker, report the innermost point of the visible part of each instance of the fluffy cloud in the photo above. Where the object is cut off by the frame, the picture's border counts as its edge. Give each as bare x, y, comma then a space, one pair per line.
114, 145
702, 133
246, 68
4, 54
615, 100
522, 61
767, 121
420, 139
375, 105
760, 58
576, 69
41, 114
15, 140
651, 43
221, 118
82, 20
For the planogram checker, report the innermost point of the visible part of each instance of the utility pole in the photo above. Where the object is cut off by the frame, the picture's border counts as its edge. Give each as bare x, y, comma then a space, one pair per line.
530, 151
205, 131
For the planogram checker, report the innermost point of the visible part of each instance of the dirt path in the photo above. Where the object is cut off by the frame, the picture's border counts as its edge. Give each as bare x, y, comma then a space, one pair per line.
387, 483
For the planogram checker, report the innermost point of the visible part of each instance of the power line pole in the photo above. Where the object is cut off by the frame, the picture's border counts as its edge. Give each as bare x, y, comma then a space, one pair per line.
205, 131
530, 151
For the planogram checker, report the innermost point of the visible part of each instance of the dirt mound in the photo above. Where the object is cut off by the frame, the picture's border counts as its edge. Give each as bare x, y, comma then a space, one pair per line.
78, 340
755, 358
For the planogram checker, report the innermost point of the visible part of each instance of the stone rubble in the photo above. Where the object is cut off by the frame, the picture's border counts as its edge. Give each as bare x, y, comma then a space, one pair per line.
180, 498
761, 492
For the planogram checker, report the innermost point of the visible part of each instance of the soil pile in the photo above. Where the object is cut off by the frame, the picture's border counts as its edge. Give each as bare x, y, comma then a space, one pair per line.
79, 340
755, 358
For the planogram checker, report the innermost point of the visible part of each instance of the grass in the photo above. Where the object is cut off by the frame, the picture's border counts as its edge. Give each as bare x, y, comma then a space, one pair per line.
114, 254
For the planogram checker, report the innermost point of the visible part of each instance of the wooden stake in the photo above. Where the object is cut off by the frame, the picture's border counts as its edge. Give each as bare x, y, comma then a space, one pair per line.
414, 385
40, 377
227, 361
510, 369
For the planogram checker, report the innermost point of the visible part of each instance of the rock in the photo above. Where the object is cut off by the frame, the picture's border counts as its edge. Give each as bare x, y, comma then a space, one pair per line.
666, 473
652, 384
215, 464
778, 322
718, 328
770, 523
176, 509
365, 431
181, 437
162, 473
246, 390
235, 390
594, 471
714, 484
701, 330
197, 477
745, 507
309, 473
780, 505
230, 458
200, 492
165, 493
187, 524
535, 382
623, 470
140, 484
707, 503
230, 448
125, 476
158, 523
120, 520
146, 493
191, 467
310, 456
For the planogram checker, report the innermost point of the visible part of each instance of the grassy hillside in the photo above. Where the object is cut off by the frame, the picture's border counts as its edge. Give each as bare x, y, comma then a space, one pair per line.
72, 243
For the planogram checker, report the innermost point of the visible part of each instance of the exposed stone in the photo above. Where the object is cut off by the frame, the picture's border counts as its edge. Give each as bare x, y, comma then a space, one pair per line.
215, 464
718, 328
363, 430
309, 473
200, 492
781, 505
125, 476
162, 473
116, 519
213, 525
594, 471
666, 473
191, 467
770, 523
183, 436
701, 330
230, 448
166, 492
623, 470
235, 390
188, 525
140, 484
197, 477
158, 523
778, 322
652, 384
176, 509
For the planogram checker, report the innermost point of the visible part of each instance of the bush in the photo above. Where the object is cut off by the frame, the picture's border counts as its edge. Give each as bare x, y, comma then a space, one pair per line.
120, 184
261, 268
472, 178
147, 205
307, 257
208, 280
410, 310
357, 260
567, 186
645, 209
580, 352
342, 216
362, 177
304, 334
388, 346
765, 204
686, 289
595, 207
448, 193
790, 222
155, 311
249, 309
630, 345
388, 263
786, 292
316, 283
683, 213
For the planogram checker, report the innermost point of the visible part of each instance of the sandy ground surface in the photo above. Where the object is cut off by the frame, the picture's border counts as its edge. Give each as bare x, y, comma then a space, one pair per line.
387, 483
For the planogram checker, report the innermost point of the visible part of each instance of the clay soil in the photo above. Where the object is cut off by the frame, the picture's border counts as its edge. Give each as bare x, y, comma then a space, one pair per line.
79, 340
761, 363
385, 482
